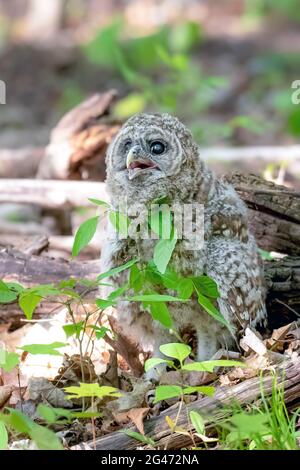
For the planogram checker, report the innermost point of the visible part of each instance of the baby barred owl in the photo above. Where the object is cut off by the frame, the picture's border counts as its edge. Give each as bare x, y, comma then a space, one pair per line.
154, 156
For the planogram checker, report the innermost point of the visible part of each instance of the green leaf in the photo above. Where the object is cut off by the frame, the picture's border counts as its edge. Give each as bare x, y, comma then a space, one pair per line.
152, 276
3, 285
18, 421
8, 360
136, 278
170, 279
70, 283
43, 290
119, 269
155, 361
91, 390
293, 122
120, 222
211, 309
250, 423
47, 413
86, 414
28, 302
265, 255
206, 286
3, 436
184, 35
164, 392
208, 366
100, 331
185, 288
84, 235
197, 422
132, 104
45, 439
101, 49
206, 390
163, 252
160, 312
44, 348
54, 415
178, 351
117, 293
73, 329
98, 202
154, 298
9, 292
139, 437
103, 303
161, 221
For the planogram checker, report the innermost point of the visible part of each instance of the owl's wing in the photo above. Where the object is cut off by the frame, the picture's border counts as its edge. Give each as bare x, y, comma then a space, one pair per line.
235, 267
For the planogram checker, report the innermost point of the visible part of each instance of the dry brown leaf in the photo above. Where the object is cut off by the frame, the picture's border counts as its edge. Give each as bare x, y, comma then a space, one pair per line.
276, 342
13, 339
110, 376
252, 341
255, 364
5, 393
171, 377
295, 334
226, 381
13, 378
42, 390
137, 416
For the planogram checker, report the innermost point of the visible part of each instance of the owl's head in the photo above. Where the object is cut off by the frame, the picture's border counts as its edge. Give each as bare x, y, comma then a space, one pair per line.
153, 155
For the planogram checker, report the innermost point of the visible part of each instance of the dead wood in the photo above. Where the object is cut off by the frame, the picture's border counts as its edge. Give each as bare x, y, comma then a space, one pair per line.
274, 211
282, 276
211, 409
126, 347
79, 142
50, 194
32, 270
29, 245
20, 163
246, 157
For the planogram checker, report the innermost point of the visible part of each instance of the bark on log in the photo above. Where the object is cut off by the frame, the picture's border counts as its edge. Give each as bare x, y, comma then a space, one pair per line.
274, 213
32, 270
243, 393
79, 142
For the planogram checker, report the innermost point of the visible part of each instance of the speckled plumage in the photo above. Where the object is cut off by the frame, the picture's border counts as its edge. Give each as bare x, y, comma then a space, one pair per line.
229, 254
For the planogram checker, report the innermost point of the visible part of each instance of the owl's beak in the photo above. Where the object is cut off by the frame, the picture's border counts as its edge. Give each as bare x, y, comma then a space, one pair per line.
137, 164
132, 156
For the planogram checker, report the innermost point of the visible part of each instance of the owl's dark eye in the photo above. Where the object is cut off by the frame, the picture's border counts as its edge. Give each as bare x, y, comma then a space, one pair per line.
127, 145
157, 147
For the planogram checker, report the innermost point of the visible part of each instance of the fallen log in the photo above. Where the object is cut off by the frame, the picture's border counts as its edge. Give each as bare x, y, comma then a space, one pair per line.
32, 270
274, 211
79, 141
282, 277
20, 163
211, 410
29, 245
50, 194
